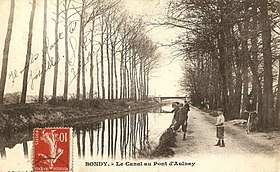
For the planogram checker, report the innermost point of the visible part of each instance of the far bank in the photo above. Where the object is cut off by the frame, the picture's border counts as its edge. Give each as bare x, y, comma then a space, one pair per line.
15, 117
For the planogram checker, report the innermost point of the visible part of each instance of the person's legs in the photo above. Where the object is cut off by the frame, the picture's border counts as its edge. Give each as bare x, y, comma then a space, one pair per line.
177, 125
222, 137
184, 129
218, 142
217, 135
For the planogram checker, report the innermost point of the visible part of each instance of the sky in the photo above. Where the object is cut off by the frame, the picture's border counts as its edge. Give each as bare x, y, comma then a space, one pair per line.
164, 80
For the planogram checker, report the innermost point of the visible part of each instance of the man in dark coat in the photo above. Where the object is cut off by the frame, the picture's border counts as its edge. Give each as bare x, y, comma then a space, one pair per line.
182, 120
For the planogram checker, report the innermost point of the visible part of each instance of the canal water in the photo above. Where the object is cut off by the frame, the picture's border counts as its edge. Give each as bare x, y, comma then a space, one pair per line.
127, 137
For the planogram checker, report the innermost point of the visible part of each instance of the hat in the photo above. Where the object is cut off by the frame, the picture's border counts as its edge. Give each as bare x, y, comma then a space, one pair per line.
220, 109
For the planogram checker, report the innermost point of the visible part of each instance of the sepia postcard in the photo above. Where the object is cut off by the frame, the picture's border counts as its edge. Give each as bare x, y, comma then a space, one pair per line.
140, 85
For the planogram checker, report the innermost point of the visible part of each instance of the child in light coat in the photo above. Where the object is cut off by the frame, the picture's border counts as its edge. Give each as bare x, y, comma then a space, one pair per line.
220, 128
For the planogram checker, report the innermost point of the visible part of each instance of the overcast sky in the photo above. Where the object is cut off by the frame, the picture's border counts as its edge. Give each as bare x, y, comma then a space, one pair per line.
164, 80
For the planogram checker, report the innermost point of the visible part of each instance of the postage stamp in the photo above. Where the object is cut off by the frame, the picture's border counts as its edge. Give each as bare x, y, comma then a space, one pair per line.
52, 149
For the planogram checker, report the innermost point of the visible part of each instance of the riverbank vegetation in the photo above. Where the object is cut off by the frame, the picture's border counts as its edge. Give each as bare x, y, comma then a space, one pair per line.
17, 117
230, 49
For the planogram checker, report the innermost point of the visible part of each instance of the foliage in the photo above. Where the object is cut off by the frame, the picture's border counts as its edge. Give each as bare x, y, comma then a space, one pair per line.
230, 54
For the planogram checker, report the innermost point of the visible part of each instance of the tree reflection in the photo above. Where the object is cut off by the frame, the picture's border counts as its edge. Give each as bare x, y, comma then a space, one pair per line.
109, 136
97, 139
84, 142
78, 141
91, 138
2, 152
123, 137
116, 137
25, 149
102, 139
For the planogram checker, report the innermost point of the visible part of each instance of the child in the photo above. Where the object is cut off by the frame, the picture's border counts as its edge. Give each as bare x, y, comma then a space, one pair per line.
220, 128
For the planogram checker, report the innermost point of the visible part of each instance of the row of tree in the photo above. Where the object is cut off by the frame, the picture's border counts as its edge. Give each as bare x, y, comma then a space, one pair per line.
230, 49
114, 55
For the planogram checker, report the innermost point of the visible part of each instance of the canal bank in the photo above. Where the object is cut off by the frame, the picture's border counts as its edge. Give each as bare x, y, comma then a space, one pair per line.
125, 136
16, 117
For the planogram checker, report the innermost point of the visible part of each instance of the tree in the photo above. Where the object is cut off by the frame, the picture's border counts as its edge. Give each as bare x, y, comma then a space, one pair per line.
80, 49
66, 5
56, 51
6, 51
28, 54
267, 56
102, 57
91, 60
230, 48
44, 60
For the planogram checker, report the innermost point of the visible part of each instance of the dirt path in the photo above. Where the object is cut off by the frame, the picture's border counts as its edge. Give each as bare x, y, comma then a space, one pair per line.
243, 152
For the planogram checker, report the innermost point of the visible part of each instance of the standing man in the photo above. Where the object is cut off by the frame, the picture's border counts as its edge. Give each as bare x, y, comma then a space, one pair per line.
220, 128
182, 120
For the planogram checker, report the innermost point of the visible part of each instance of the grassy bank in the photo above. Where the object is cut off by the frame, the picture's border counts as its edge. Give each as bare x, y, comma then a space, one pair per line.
166, 142
15, 117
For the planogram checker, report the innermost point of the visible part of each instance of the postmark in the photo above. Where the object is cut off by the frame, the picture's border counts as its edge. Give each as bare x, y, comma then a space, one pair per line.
52, 149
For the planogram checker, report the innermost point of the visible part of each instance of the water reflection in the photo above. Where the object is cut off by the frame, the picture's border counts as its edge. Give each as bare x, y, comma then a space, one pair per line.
9, 141
3, 152
126, 137
25, 149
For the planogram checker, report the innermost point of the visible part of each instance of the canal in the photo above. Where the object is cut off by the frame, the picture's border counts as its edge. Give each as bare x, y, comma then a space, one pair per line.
127, 136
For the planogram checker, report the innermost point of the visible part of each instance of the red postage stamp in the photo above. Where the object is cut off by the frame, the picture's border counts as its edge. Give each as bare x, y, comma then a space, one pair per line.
51, 149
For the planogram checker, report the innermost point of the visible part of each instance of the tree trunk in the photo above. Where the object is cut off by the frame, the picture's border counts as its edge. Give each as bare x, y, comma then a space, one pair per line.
91, 62
83, 65
28, 54
44, 60
102, 58
65, 93
245, 72
56, 52
121, 72
108, 62
97, 77
278, 92
115, 71
6, 51
80, 52
238, 85
223, 59
112, 70
267, 55
131, 82
125, 75
254, 62
147, 83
